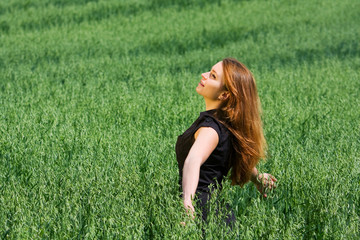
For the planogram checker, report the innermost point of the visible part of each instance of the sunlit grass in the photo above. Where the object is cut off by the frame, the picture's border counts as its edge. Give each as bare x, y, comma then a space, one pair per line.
93, 95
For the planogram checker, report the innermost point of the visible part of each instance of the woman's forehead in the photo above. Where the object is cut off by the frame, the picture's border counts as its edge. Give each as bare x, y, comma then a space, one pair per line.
218, 68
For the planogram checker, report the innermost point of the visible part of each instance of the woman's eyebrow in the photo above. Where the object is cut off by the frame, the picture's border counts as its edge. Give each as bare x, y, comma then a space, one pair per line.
212, 70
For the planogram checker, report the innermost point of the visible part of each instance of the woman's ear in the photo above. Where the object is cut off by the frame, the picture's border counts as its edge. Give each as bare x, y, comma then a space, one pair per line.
224, 95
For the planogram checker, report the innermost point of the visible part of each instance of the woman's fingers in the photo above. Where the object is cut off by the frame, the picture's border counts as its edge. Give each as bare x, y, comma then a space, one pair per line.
266, 183
273, 178
269, 182
189, 209
273, 181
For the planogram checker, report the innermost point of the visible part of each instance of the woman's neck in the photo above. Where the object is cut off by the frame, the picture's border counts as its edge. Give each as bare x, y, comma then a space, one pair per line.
210, 104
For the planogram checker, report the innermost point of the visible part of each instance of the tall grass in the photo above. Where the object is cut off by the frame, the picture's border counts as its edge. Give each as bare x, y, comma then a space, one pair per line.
93, 95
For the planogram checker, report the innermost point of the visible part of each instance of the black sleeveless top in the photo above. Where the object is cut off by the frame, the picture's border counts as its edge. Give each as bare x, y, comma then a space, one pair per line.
217, 166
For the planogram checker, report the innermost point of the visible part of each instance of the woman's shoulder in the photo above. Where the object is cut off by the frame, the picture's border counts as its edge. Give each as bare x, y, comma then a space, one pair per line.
208, 119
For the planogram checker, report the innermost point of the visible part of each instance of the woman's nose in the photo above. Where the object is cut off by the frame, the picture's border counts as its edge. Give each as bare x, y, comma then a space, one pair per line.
205, 75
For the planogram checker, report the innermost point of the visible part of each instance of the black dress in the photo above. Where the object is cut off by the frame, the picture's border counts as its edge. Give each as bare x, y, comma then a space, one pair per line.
216, 167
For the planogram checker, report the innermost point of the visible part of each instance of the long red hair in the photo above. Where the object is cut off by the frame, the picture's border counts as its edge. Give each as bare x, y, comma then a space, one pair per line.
240, 112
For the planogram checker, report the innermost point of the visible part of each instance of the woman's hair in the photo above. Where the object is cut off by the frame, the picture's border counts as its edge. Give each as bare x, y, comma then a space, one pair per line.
240, 112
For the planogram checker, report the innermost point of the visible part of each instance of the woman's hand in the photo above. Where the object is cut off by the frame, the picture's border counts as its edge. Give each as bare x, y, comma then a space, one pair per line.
189, 210
265, 182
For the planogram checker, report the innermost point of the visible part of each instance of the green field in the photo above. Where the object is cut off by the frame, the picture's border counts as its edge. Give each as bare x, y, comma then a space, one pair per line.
93, 95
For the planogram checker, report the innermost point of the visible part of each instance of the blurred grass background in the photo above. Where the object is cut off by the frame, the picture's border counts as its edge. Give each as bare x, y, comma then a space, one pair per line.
93, 95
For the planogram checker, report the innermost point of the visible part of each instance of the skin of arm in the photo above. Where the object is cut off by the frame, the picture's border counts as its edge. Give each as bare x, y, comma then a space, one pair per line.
206, 140
254, 174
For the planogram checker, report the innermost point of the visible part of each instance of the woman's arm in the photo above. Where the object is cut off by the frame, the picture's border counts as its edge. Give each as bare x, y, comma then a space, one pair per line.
263, 182
206, 140
254, 175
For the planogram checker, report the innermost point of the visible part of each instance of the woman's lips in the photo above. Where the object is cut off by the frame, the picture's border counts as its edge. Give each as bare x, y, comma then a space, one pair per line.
201, 83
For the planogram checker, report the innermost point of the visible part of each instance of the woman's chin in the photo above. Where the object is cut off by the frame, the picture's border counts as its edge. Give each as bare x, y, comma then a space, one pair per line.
198, 90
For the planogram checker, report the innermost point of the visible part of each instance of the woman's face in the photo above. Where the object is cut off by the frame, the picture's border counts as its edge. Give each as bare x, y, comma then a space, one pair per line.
212, 85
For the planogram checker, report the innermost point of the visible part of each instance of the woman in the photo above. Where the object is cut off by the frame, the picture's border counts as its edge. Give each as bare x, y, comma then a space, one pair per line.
228, 135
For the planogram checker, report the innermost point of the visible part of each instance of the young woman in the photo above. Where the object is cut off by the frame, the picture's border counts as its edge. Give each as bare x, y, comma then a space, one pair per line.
228, 135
